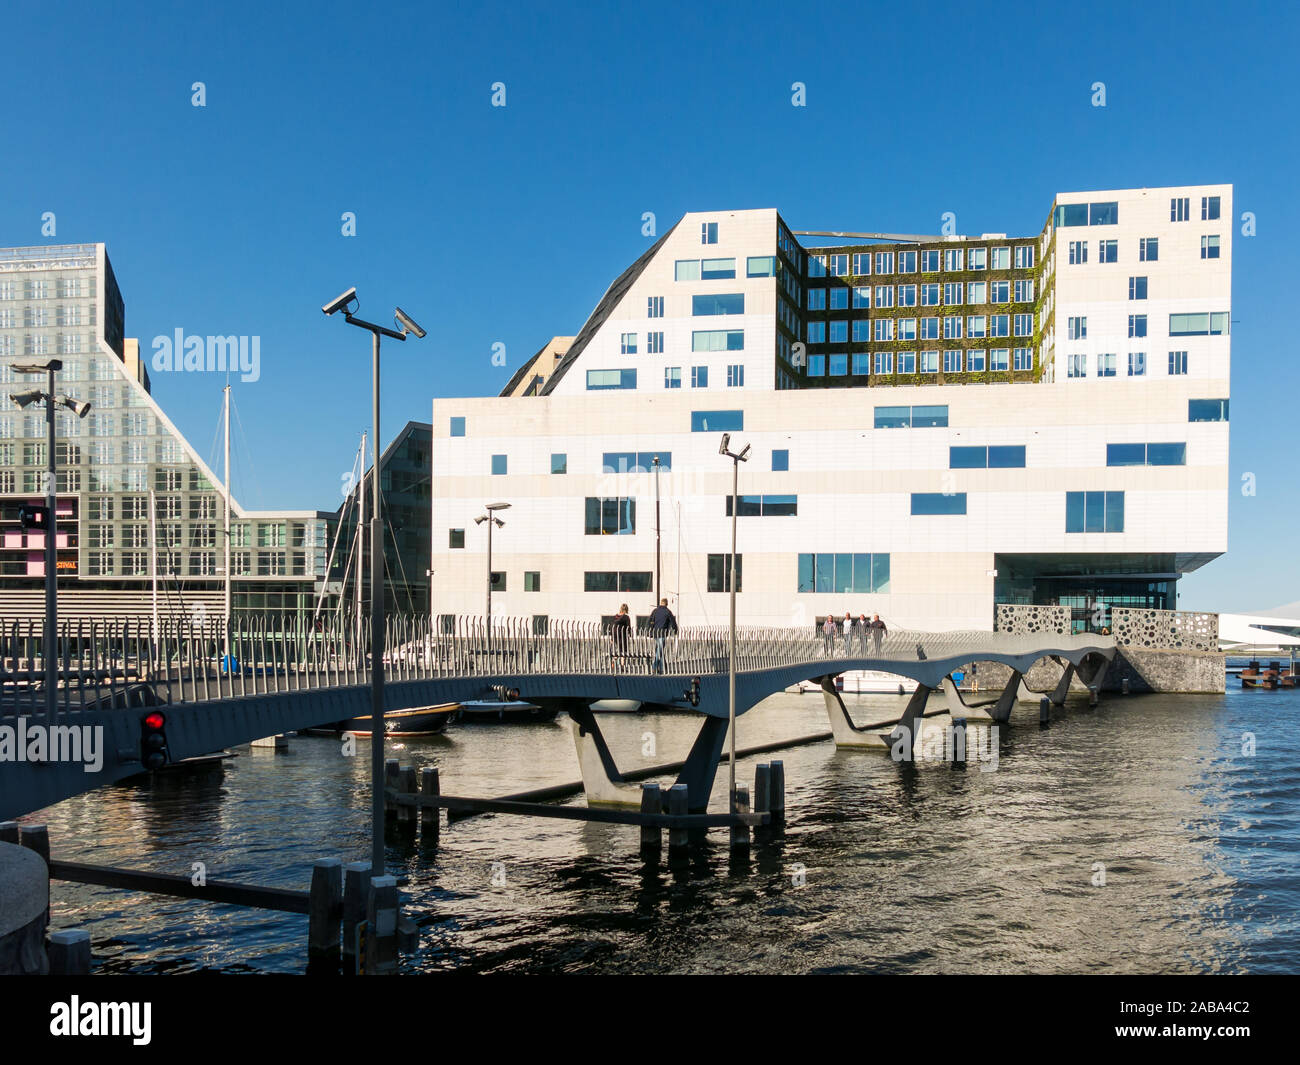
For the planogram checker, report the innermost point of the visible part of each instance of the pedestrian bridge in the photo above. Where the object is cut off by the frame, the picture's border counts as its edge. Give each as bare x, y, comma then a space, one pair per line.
219, 689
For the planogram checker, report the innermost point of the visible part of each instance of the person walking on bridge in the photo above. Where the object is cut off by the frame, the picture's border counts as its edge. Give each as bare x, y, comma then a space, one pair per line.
620, 631
828, 634
662, 623
878, 633
848, 633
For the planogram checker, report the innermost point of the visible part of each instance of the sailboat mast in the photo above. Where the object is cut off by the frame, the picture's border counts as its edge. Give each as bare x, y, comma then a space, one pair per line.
226, 622
361, 534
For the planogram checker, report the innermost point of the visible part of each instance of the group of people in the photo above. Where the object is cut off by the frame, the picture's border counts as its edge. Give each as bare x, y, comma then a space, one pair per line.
662, 623
853, 631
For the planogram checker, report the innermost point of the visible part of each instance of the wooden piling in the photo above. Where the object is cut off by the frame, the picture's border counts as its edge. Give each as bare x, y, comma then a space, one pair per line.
778, 793
678, 800
958, 733
392, 775
431, 788
740, 832
1123, 686
762, 797
325, 914
406, 785
9, 832
356, 891
69, 952
1044, 711
35, 838
381, 926
652, 802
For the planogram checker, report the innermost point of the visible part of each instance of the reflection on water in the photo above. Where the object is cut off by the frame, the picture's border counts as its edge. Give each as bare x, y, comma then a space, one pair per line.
1133, 838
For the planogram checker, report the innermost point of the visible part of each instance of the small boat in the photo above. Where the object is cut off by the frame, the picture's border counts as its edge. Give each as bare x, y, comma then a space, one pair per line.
474, 711
417, 721
865, 682
616, 706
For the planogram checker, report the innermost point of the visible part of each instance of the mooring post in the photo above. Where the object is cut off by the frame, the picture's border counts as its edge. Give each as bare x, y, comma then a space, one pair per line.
1123, 686
678, 804
762, 797
9, 832
325, 914
356, 890
740, 831
1044, 711
35, 838
778, 794
406, 785
69, 952
381, 927
429, 822
958, 733
652, 802
392, 775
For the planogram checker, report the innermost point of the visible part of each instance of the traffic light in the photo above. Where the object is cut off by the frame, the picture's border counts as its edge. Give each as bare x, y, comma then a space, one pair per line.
153, 741
33, 517
692, 694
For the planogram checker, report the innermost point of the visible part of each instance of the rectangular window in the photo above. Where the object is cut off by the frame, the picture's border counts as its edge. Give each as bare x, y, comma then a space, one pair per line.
1077, 366
717, 421
816, 332
628, 344
861, 297
718, 340
927, 362
930, 294
884, 295
1209, 208
760, 266
598, 380
1024, 256
1024, 292
884, 262
610, 516
780, 459
1149, 249
977, 259
708, 232
1000, 258
929, 329
1108, 251
839, 332
1024, 325
654, 343
672, 377
907, 362
930, 417
999, 291
1179, 209
952, 328
816, 299
1177, 363
1171, 454
861, 364
906, 328
1106, 365
977, 292
457, 426
998, 359
1198, 325
559, 462
1094, 512
838, 264
861, 330
718, 303
907, 262
816, 365
717, 269
1207, 410
499, 465
930, 261
1137, 363
953, 293
1137, 288
1078, 252
938, 503
840, 573
996, 457
773, 506
893, 417
654, 306
1023, 359
999, 325
1210, 247
532, 581
1103, 214
635, 461
1077, 328
884, 362
861, 264
735, 375
884, 329
975, 360
816, 266
839, 299
952, 361
699, 377
839, 365
719, 573
1137, 325
687, 270
976, 324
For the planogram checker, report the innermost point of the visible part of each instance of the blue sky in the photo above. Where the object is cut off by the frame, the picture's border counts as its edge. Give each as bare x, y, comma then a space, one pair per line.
505, 225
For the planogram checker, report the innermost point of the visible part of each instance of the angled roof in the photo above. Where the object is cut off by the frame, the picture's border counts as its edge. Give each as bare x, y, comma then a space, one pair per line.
604, 308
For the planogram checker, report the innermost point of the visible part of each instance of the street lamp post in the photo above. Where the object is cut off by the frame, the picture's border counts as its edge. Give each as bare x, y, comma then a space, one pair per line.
736, 460
49, 655
491, 518
347, 303
658, 581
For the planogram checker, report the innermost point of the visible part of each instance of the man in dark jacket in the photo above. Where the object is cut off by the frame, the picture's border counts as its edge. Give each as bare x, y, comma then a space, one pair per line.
662, 623
878, 632
620, 630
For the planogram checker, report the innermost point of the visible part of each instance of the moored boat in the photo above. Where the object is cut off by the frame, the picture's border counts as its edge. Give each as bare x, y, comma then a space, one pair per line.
474, 711
417, 721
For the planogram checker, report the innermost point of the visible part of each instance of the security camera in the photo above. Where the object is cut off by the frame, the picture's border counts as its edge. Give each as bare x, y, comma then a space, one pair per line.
341, 303
26, 399
726, 439
480, 520
79, 407
743, 456
407, 323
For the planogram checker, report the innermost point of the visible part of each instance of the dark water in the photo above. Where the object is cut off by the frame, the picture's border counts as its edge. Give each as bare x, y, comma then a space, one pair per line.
883, 868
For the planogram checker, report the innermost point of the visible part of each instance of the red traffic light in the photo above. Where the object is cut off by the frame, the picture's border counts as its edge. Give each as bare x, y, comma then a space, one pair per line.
154, 720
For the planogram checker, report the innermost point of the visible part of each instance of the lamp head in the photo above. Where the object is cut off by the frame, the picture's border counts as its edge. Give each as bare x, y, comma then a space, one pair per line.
26, 399
726, 442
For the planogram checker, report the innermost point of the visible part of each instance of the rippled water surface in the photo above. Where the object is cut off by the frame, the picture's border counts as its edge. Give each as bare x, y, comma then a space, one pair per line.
883, 868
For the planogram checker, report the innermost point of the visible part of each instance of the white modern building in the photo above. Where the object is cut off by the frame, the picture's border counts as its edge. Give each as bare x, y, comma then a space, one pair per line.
936, 425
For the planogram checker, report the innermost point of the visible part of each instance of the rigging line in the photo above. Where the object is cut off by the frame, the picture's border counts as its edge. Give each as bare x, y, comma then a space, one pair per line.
406, 581
252, 475
338, 530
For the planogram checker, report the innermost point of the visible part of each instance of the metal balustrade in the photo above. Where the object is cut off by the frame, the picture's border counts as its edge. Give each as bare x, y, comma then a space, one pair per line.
131, 662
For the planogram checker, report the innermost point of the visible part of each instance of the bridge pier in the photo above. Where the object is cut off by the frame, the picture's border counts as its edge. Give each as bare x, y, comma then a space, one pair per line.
958, 707
601, 780
1001, 712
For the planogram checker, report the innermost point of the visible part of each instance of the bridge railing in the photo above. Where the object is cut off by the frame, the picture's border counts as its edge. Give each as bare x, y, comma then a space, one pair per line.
134, 662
